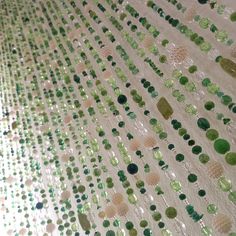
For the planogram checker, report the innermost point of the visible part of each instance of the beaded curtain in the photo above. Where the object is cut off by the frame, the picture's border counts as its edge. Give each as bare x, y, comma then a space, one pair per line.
117, 117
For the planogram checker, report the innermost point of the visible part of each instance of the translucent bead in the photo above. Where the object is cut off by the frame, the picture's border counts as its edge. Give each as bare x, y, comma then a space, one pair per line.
175, 185
180, 227
206, 231
132, 198
157, 154
224, 184
166, 232
232, 196
114, 161
120, 232
212, 208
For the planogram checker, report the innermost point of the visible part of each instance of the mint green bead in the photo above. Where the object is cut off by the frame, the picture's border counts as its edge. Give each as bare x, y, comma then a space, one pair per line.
175, 185
206, 231
224, 184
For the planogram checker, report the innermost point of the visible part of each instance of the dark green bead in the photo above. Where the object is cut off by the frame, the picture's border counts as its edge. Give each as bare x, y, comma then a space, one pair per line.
192, 178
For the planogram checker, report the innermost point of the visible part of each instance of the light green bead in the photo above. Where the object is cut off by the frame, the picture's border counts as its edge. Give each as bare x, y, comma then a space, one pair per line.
232, 234
157, 155
166, 232
114, 161
224, 184
95, 199
176, 74
204, 23
87, 206
213, 88
175, 185
104, 194
206, 231
127, 159
190, 86
132, 198
169, 83
232, 196
120, 232
212, 208
191, 109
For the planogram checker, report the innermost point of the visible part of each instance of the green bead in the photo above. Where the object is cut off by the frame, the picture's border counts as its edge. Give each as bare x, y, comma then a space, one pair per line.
230, 158
224, 184
204, 158
212, 134
203, 124
206, 231
143, 223
192, 178
132, 198
171, 212
209, 105
232, 196
156, 216
212, 209
232, 234
175, 185
147, 232
221, 146
166, 232
133, 232
129, 225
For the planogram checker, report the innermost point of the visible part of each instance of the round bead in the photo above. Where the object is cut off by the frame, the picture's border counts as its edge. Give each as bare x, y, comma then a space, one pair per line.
214, 169
152, 178
221, 146
222, 223
132, 168
171, 212
230, 158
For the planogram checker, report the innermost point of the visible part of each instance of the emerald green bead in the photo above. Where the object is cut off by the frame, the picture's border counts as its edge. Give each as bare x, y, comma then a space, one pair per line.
147, 232
129, 225
224, 184
203, 124
221, 146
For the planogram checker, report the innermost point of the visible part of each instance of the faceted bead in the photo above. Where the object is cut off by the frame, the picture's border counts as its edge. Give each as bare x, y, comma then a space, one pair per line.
175, 185
212, 208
